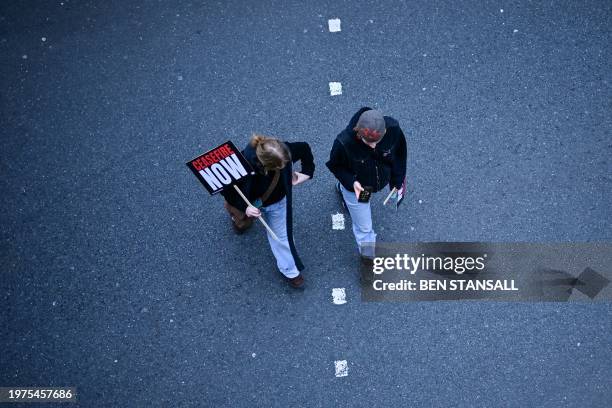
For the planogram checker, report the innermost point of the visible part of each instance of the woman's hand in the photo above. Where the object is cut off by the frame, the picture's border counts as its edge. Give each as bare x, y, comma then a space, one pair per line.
299, 178
358, 189
252, 212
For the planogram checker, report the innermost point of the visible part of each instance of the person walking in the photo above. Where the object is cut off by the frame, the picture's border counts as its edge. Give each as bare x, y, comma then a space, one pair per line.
270, 192
369, 154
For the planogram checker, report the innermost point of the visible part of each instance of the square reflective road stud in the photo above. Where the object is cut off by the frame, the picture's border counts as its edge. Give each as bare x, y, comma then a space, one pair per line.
334, 25
341, 368
338, 221
339, 296
335, 88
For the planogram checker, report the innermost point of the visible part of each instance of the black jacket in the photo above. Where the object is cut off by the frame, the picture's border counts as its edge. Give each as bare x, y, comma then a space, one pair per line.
254, 186
352, 160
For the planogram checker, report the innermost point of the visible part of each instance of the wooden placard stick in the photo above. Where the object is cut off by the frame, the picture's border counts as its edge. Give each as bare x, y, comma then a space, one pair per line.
246, 200
389, 196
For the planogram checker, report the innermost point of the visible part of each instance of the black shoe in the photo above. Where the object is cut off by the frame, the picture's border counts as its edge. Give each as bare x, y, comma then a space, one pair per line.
366, 275
366, 269
366, 260
296, 282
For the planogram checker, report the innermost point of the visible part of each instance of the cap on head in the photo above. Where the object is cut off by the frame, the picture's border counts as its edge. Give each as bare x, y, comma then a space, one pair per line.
371, 126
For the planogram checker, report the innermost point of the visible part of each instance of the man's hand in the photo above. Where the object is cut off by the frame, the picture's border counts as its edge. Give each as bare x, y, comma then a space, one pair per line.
252, 212
358, 189
299, 178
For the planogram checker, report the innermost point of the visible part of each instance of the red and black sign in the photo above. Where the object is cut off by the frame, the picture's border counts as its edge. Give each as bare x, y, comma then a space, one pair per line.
220, 167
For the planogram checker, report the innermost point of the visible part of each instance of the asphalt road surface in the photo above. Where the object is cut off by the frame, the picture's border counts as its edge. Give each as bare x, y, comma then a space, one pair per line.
121, 276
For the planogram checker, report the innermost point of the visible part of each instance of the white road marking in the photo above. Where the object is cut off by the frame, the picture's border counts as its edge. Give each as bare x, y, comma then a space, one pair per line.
341, 368
335, 88
339, 296
338, 221
334, 25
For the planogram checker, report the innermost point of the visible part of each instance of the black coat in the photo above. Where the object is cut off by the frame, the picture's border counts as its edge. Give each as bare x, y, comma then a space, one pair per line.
352, 160
254, 186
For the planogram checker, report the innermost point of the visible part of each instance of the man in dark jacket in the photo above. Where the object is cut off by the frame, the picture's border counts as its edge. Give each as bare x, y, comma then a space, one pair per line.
270, 192
368, 155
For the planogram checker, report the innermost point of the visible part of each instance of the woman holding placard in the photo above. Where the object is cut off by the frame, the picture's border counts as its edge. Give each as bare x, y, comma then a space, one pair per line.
268, 193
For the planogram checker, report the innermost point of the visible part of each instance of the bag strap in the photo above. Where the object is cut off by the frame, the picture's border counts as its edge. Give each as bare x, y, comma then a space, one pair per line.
272, 186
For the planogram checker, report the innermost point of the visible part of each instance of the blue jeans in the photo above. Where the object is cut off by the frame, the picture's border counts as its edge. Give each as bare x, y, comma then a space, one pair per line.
361, 217
276, 216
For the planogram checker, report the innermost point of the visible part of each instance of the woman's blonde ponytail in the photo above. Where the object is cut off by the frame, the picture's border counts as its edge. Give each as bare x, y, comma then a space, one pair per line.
271, 152
257, 139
